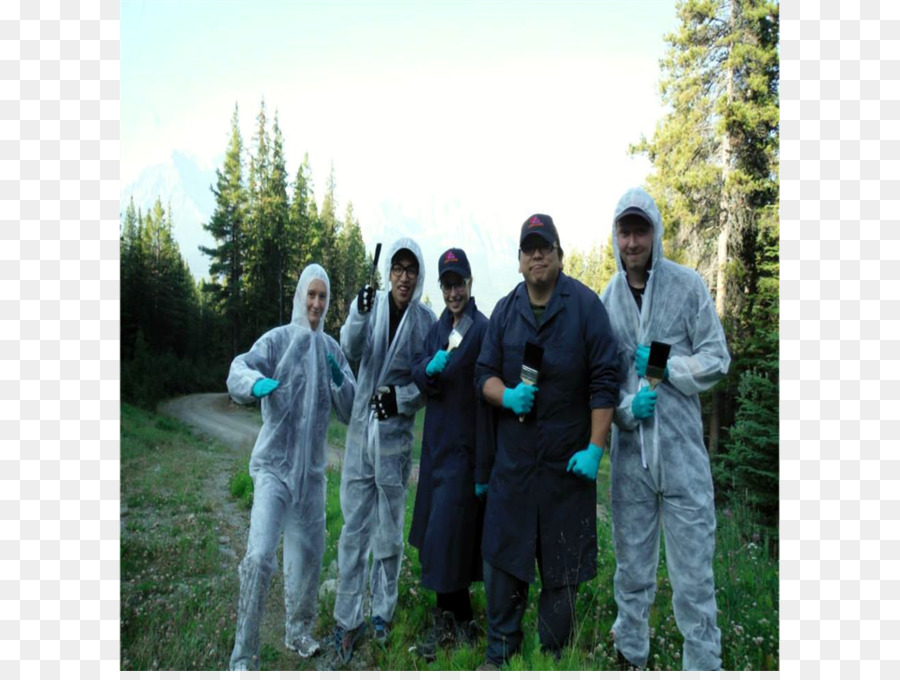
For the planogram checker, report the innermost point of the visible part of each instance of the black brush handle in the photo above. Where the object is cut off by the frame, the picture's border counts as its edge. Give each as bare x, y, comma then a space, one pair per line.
375, 263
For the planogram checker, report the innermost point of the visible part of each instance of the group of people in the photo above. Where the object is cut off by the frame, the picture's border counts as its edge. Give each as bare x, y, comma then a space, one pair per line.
510, 451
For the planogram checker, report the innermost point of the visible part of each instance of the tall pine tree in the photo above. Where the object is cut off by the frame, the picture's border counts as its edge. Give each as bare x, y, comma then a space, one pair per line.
227, 226
715, 155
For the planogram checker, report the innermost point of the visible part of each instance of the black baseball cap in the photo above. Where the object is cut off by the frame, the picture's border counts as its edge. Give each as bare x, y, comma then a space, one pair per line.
542, 225
454, 260
637, 212
404, 252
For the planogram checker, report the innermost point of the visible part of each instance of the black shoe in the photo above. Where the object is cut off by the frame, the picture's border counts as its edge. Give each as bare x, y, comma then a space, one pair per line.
623, 664
380, 630
443, 633
340, 649
469, 632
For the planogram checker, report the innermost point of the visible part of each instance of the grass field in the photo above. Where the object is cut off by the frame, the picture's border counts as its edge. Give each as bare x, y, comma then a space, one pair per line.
183, 533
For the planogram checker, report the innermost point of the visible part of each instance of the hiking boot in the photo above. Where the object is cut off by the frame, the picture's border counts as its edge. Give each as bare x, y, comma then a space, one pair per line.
380, 629
469, 632
306, 645
340, 649
443, 633
488, 666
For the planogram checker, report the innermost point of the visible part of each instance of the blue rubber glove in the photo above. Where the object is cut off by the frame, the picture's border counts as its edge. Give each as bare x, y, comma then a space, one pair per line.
438, 362
644, 403
641, 356
263, 386
481, 490
520, 398
337, 375
585, 463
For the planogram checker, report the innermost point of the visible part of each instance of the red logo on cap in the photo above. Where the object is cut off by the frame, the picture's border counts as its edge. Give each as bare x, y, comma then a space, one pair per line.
451, 257
534, 222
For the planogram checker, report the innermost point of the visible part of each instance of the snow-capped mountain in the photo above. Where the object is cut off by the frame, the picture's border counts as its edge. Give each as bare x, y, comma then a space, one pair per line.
182, 185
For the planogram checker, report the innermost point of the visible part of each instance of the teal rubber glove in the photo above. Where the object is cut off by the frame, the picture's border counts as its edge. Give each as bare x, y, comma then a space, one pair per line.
641, 356
520, 398
263, 386
438, 363
337, 375
644, 403
481, 490
585, 463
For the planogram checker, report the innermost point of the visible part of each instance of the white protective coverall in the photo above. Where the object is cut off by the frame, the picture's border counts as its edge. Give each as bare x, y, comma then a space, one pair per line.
378, 453
288, 467
660, 464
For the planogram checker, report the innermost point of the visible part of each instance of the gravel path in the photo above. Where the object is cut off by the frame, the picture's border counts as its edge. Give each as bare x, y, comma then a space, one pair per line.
217, 415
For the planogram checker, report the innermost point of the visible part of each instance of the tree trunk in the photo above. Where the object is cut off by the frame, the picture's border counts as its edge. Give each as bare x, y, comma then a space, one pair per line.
726, 218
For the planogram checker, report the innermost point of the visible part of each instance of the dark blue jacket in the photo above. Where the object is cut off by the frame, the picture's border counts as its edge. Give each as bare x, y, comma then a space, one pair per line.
534, 506
446, 524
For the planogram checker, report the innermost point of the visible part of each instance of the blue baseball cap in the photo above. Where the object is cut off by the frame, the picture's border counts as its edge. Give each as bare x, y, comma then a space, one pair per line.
454, 260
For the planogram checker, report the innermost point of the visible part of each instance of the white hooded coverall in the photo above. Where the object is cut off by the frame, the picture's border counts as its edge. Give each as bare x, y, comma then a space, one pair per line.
659, 465
378, 453
288, 466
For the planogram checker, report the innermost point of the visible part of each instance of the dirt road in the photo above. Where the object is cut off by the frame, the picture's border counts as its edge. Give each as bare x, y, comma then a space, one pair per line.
217, 415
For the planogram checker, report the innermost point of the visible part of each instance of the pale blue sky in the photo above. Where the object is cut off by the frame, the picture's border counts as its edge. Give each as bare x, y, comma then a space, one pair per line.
507, 107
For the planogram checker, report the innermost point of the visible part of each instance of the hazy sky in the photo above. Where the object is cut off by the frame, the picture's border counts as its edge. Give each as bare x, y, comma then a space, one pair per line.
508, 108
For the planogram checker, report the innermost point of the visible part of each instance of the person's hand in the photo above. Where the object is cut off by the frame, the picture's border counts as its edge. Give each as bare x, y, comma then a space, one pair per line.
337, 375
520, 398
263, 386
641, 355
438, 362
384, 403
365, 299
481, 490
585, 463
644, 403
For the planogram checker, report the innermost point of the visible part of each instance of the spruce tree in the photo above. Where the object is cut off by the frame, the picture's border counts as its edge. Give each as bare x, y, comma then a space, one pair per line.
354, 267
132, 275
282, 233
715, 158
227, 226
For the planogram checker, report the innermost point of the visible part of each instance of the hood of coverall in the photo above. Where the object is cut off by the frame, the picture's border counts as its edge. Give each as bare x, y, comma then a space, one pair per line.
299, 315
637, 197
413, 247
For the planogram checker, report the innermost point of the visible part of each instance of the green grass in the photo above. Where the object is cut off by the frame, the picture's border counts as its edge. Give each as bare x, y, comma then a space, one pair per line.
179, 582
176, 601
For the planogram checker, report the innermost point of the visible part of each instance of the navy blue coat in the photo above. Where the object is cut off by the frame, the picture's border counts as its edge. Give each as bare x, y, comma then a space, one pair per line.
447, 517
535, 508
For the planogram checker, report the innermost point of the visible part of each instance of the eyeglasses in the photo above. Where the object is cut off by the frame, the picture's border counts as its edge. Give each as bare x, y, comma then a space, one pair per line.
530, 248
411, 271
460, 286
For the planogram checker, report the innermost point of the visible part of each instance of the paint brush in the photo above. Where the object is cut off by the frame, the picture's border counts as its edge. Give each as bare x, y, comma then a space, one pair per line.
375, 264
458, 333
531, 366
656, 364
